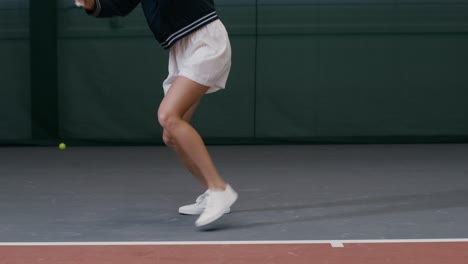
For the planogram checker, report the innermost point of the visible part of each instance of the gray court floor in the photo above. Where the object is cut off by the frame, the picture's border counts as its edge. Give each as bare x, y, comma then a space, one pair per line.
286, 193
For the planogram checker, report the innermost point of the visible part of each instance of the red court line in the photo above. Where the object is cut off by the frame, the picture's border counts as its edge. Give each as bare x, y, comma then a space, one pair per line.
357, 253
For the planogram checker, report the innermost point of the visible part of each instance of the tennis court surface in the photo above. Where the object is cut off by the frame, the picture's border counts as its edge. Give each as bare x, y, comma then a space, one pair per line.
297, 204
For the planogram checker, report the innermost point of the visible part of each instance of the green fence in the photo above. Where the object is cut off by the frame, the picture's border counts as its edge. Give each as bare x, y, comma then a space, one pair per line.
15, 106
303, 71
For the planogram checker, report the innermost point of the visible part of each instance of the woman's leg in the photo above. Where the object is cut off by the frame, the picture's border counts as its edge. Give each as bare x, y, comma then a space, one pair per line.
181, 155
183, 94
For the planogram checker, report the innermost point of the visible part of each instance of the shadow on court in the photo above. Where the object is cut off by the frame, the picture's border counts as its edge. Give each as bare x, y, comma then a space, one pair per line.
373, 206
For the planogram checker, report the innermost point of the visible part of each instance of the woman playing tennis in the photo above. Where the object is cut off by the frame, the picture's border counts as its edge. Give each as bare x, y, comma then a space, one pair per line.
199, 63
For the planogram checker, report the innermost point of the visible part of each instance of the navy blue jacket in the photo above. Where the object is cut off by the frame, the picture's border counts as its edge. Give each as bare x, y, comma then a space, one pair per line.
169, 20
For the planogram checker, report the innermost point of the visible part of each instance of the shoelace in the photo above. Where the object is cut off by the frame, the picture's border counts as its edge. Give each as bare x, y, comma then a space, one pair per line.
202, 197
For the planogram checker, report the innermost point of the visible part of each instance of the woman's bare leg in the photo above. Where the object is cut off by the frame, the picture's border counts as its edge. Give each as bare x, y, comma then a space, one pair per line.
183, 94
181, 155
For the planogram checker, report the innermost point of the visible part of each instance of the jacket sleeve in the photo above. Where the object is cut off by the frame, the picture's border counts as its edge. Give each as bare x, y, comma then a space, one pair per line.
109, 8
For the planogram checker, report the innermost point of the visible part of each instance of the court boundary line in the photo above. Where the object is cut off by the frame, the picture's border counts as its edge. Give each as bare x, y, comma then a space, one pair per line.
333, 243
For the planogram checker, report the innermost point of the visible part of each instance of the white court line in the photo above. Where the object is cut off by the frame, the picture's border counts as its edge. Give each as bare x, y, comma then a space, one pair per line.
337, 244
333, 243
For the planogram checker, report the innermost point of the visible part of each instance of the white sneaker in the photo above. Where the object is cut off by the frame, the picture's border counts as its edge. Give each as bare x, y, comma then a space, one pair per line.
199, 206
217, 203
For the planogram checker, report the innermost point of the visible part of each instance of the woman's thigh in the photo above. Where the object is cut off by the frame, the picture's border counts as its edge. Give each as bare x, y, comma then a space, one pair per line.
182, 98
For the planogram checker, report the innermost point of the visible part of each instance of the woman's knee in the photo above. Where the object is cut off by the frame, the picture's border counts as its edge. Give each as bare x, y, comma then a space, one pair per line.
164, 120
167, 120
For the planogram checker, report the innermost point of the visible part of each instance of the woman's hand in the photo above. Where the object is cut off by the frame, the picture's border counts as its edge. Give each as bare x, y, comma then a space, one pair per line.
86, 4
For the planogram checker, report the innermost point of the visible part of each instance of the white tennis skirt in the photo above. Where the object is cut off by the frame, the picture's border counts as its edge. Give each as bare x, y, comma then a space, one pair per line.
203, 57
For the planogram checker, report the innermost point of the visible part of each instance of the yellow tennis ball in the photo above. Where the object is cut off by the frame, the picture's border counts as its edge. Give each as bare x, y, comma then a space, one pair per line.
62, 146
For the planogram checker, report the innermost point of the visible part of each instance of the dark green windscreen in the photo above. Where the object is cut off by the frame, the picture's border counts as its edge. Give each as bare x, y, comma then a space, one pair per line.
15, 110
362, 68
303, 70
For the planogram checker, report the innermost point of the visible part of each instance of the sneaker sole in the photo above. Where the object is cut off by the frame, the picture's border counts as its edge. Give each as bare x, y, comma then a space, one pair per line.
199, 212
